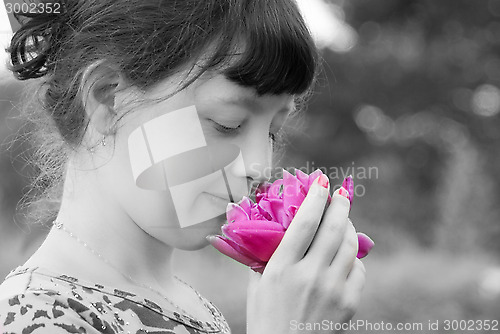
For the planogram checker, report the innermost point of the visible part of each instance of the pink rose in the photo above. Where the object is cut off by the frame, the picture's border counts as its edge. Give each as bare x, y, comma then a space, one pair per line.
254, 230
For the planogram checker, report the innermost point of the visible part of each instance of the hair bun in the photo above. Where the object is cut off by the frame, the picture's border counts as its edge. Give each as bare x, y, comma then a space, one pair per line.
33, 46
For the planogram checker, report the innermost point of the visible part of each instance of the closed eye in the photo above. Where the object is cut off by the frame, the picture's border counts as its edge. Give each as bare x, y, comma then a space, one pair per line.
234, 130
225, 129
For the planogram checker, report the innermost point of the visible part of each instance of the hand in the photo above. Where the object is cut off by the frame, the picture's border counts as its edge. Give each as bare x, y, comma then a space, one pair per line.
313, 276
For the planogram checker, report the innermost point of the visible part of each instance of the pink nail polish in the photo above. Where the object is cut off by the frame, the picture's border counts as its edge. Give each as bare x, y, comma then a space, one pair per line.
343, 192
323, 181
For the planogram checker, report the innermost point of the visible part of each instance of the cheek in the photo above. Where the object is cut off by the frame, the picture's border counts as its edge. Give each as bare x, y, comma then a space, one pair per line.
143, 206
156, 214
180, 214
155, 209
180, 206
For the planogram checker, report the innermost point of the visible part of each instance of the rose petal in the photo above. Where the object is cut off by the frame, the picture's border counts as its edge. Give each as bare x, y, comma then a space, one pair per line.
293, 190
263, 187
259, 268
246, 205
263, 211
302, 177
365, 245
348, 185
261, 243
274, 206
235, 213
291, 185
228, 229
258, 197
313, 177
255, 213
261, 191
234, 251
290, 212
275, 189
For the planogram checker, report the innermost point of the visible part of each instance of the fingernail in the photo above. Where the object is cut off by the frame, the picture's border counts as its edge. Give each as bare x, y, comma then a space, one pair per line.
323, 181
210, 238
343, 192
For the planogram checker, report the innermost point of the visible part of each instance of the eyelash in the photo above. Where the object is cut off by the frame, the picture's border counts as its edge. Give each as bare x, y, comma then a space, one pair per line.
228, 130
225, 129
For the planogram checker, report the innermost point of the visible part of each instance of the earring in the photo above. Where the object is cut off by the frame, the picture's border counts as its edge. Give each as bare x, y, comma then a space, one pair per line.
101, 142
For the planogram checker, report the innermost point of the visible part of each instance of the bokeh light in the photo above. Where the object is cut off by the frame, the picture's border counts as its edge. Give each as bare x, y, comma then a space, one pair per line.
486, 100
375, 123
328, 26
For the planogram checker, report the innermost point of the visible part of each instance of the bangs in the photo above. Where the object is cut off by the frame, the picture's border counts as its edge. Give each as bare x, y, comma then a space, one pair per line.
277, 53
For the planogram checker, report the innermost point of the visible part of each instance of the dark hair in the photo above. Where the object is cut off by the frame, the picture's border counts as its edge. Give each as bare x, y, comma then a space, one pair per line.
263, 44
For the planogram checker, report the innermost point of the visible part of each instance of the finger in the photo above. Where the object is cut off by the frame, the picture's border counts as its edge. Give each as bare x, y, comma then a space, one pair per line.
303, 227
344, 259
354, 285
253, 280
331, 231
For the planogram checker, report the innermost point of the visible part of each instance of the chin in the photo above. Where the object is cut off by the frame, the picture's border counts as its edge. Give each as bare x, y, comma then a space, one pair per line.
196, 234
194, 241
194, 246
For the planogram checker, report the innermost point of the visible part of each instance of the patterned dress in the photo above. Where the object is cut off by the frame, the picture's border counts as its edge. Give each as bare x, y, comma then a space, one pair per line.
35, 300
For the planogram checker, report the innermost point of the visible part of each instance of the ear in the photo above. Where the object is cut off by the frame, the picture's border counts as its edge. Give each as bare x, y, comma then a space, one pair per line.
99, 86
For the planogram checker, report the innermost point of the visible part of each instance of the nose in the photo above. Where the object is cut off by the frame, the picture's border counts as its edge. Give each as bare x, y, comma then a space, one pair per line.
256, 174
257, 159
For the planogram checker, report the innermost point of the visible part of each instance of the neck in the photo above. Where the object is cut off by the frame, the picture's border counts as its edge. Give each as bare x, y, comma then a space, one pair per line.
91, 216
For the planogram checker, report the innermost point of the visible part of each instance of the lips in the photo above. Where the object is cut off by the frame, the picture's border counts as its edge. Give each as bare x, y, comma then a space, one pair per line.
236, 197
220, 196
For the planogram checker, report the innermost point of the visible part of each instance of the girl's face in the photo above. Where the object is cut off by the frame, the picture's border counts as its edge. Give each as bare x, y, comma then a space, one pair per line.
176, 164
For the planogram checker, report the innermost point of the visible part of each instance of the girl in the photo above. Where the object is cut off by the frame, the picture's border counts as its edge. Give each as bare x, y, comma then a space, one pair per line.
145, 98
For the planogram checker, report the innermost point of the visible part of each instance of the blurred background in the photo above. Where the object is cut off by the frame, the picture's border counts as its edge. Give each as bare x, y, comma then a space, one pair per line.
408, 102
